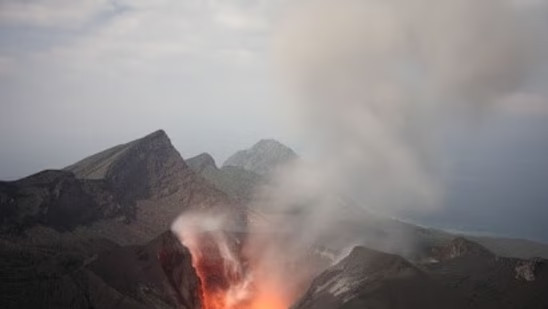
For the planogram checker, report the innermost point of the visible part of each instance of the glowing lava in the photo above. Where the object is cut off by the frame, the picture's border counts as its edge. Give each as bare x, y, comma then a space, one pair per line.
225, 282
228, 280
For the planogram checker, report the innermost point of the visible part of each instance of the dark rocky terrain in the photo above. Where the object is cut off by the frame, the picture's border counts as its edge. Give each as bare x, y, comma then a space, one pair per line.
98, 274
129, 194
235, 181
93, 235
461, 274
158, 274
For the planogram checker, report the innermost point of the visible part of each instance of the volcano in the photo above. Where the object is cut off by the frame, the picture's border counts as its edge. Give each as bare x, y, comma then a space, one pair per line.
97, 235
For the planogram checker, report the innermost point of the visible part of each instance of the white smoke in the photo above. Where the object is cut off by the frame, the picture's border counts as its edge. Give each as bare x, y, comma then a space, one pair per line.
376, 79
374, 83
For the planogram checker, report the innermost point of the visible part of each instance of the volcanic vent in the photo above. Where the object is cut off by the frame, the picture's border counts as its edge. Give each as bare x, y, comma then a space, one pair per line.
229, 278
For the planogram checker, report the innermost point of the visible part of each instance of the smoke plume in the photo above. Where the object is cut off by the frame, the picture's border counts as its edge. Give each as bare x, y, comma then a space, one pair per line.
376, 81
374, 85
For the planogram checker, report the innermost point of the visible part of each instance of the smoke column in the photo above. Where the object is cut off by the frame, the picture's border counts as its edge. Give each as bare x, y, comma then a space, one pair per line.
376, 81
374, 85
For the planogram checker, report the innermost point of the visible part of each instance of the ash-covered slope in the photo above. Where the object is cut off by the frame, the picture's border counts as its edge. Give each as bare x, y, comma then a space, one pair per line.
129, 193
147, 167
98, 274
56, 199
371, 279
126, 195
263, 157
351, 223
55, 276
158, 274
463, 275
232, 180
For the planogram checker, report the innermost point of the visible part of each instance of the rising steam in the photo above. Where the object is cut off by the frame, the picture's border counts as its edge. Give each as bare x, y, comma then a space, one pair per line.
374, 83
376, 79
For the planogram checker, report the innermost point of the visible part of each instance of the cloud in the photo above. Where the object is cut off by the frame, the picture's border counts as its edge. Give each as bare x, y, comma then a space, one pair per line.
158, 36
51, 13
525, 104
377, 80
200, 60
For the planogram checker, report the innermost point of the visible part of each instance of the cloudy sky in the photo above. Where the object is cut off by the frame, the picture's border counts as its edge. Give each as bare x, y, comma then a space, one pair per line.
77, 77
80, 76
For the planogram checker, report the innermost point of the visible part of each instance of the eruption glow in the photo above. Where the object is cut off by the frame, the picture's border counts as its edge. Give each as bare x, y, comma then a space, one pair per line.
228, 280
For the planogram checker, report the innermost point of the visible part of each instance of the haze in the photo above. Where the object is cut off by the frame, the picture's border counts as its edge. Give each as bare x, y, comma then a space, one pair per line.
80, 76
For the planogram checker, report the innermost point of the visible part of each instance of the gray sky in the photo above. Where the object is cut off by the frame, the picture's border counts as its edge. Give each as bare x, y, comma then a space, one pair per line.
80, 76
77, 77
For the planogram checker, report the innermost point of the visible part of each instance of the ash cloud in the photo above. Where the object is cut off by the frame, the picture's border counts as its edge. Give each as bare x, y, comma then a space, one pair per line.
375, 84
378, 81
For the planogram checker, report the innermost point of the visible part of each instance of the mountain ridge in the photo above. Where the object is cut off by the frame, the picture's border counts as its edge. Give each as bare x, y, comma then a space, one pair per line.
263, 157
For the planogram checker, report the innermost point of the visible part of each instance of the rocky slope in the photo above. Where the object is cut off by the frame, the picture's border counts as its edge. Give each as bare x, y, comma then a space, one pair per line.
60, 231
98, 274
129, 194
235, 181
56, 199
159, 274
93, 236
462, 274
263, 157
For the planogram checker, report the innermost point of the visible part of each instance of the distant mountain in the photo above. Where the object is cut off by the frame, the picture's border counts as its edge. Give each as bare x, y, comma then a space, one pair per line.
61, 231
235, 181
463, 275
263, 157
147, 167
129, 194
93, 235
201, 162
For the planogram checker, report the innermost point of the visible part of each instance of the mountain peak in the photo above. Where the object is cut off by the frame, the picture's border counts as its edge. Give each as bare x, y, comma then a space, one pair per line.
148, 166
99, 165
270, 143
201, 162
263, 157
460, 247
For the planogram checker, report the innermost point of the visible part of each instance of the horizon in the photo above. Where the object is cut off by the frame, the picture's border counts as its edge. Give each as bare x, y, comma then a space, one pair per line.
80, 77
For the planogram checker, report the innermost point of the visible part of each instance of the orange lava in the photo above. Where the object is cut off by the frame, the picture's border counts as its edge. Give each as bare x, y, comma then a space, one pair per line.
224, 288
228, 280
268, 301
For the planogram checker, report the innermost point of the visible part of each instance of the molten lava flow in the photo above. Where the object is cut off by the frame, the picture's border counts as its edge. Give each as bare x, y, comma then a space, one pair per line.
228, 280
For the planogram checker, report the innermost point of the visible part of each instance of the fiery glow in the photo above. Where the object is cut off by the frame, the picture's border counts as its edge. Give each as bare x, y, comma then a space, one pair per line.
227, 284
269, 301
228, 279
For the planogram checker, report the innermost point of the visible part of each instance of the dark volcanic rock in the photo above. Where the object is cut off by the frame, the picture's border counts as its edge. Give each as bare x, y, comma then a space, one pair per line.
129, 193
98, 274
54, 198
159, 274
371, 279
469, 276
529, 269
461, 247
264, 157
55, 276
147, 167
